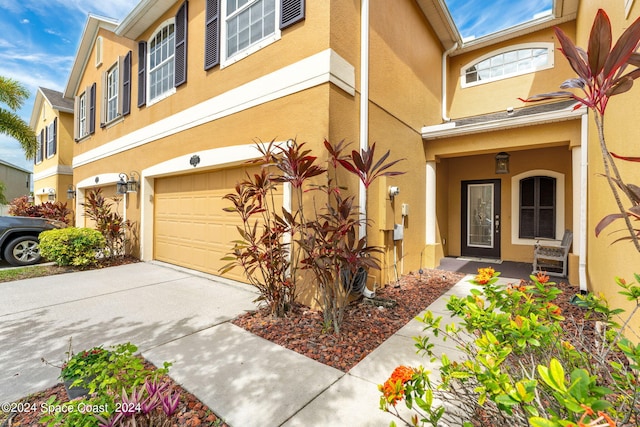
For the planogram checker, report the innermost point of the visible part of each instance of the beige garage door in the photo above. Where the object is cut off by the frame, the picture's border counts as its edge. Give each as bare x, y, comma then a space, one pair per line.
190, 227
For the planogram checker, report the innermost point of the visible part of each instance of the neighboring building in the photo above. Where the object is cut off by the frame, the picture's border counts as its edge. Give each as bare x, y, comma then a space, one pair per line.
52, 121
16, 181
174, 95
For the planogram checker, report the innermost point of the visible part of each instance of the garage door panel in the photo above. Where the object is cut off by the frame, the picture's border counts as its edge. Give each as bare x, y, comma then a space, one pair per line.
191, 228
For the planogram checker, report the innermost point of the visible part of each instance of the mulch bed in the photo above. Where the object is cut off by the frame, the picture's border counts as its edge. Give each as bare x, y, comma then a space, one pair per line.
365, 326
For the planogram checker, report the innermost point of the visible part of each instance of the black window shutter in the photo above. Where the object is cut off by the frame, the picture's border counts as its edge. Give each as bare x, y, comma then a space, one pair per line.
54, 139
43, 140
92, 109
212, 35
126, 85
180, 75
45, 143
142, 73
292, 12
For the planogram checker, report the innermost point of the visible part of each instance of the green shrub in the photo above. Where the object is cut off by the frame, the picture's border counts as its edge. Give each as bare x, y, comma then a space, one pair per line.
519, 366
109, 375
71, 246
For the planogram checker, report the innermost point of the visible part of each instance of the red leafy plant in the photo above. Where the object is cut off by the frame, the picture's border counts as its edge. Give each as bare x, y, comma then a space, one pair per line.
108, 222
604, 72
278, 246
21, 206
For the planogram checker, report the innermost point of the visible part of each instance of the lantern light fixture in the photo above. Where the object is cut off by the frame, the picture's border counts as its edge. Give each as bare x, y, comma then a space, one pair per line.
502, 163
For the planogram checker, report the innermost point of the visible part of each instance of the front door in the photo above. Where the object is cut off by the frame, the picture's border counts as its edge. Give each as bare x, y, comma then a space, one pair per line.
481, 218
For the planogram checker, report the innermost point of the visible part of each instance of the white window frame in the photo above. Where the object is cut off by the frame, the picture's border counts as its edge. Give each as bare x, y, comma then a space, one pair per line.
83, 129
172, 88
515, 204
496, 53
50, 140
112, 89
225, 59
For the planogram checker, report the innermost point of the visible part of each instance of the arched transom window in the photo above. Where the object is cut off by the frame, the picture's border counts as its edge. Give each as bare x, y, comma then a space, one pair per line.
508, 62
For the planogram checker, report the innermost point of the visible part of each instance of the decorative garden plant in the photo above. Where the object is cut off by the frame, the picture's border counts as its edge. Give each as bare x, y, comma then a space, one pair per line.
277, 246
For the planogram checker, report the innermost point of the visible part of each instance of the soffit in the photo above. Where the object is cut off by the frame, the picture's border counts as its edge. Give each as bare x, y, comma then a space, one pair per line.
526, 116
443, 25
142, 17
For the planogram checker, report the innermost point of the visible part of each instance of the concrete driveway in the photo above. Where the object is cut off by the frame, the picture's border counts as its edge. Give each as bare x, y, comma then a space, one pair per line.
145, 304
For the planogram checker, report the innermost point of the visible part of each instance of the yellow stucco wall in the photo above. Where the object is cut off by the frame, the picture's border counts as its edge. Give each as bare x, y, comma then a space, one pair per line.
501, 94
606, 258
63, 156
556, 159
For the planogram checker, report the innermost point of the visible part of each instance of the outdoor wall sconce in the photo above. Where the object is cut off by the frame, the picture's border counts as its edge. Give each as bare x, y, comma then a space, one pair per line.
71, 193
52, 195
128, 183
393, 191
502, 163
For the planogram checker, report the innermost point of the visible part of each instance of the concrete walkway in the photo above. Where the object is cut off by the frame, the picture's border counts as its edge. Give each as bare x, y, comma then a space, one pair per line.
183, 317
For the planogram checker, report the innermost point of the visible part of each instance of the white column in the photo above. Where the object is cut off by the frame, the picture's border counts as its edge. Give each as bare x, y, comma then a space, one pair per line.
430, 197
576, 157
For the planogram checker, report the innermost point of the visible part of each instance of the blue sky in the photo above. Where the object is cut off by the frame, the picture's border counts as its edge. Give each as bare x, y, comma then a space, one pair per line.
39, 39
38, 42
477, 18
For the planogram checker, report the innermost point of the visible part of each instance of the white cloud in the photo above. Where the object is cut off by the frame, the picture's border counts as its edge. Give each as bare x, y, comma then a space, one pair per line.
11, 152
24, 21
476, 18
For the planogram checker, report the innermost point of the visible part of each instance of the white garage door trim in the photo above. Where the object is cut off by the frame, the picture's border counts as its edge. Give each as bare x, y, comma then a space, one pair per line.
215, 158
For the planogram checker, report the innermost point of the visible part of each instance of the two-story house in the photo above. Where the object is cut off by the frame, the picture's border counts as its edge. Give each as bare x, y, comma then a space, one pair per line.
52, 121
172, 98
16, 182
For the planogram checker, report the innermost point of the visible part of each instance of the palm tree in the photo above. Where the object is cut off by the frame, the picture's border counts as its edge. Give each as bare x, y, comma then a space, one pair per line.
13, 94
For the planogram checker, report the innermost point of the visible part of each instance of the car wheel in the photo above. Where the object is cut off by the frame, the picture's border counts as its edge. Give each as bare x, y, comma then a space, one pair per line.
23, 250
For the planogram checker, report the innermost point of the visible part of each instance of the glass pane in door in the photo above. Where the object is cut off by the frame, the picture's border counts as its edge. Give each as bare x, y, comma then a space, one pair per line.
480, 215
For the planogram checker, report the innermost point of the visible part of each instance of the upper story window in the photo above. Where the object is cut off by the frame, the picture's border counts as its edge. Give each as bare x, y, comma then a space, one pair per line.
237, 28
508, 62
162, 61
52, 138
116, 89
112, 93
85, 113
82, 114
39, 140
248, 22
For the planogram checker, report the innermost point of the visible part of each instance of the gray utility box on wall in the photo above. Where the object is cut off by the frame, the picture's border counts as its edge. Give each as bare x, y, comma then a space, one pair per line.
398, 232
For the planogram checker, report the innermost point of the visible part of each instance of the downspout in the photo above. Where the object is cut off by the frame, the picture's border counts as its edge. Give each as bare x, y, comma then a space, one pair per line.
364, 119
364, 106
584, 162
446, 53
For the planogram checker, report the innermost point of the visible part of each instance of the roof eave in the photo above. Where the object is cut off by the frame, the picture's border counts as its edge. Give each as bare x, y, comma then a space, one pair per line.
89, 34
448, 130
513, 32
37, 106
142, 17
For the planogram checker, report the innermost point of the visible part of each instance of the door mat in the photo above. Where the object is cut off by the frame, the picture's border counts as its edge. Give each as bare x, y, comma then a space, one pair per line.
475, 259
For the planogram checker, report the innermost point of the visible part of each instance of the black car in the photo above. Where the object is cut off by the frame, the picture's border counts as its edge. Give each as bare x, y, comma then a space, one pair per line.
19, 243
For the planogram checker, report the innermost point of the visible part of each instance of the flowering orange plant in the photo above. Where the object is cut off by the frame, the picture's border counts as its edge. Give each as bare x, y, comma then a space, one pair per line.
393, 389
485, 275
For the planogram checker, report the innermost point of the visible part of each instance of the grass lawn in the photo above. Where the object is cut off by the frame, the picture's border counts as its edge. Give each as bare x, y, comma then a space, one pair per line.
11, 274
